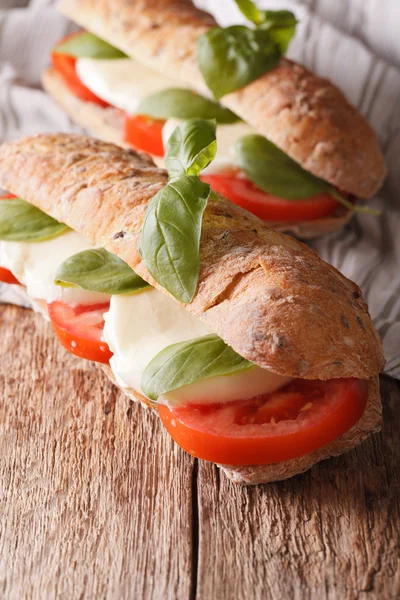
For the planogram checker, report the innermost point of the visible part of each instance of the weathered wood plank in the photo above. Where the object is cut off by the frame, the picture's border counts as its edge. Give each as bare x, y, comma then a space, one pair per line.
95, 499
91, 509
331, 533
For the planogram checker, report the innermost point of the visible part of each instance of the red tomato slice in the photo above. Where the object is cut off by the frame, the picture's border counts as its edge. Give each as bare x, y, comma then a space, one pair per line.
79, 329
246, 194
291, 422
65, 65
7, 277
144, 133
7, 196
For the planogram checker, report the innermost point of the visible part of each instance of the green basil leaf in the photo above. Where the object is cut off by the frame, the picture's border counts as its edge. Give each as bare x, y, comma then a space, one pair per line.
281, 25
231, 58
250, 11
170, 239
88, 45
23, 222
191, 147
273, 171
98, 270
184, 104
188, 362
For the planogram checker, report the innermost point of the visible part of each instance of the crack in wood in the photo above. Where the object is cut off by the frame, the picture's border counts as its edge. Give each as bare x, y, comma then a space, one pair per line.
195, 530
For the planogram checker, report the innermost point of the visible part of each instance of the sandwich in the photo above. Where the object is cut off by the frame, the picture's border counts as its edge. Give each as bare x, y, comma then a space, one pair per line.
292, 150
256, 354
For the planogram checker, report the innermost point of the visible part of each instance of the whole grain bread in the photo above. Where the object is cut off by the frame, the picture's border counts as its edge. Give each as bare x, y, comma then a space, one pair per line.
305, 115
265, 294
106, 123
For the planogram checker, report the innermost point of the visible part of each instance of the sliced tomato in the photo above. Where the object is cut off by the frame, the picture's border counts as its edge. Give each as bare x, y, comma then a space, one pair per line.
7, 196
303, 416
240, 190
7, 277
80, 328
144, 133
65, 65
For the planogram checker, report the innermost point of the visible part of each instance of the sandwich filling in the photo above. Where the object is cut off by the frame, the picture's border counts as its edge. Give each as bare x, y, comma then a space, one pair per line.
217, 405
35, 266
139, 326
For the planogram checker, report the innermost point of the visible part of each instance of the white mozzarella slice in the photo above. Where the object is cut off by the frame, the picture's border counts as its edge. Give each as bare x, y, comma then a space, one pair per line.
122, 82
227, 135
35, 264
139, 326
242, 385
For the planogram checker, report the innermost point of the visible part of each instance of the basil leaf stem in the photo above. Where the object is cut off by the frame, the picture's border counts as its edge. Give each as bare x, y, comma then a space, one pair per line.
181, 103
353, 207
170, 239
98, 270
191, 147
23, 222
187, 362
233, 57
88, 45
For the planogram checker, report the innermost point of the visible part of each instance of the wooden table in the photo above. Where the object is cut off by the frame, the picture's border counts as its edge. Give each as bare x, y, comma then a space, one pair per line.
97, 501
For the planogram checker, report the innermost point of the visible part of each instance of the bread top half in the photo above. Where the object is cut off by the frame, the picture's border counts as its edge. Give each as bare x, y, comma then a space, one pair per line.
304, 115
265, 294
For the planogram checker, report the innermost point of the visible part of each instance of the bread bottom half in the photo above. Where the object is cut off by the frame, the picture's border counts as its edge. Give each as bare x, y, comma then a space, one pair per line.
107, 124
370, 422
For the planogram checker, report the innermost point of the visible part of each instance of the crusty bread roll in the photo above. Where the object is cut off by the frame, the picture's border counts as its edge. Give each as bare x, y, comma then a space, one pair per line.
107, 124
304, 115
265, 294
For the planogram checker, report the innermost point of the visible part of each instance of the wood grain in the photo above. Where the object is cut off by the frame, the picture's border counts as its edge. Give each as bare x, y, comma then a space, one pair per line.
331, 533
95, 499
97, 502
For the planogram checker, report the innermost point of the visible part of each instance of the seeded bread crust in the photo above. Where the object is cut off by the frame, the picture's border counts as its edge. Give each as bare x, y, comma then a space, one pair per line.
304, 115
107, 124
265, 294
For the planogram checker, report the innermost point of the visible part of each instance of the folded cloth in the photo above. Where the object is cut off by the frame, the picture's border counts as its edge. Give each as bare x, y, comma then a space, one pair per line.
367, 250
